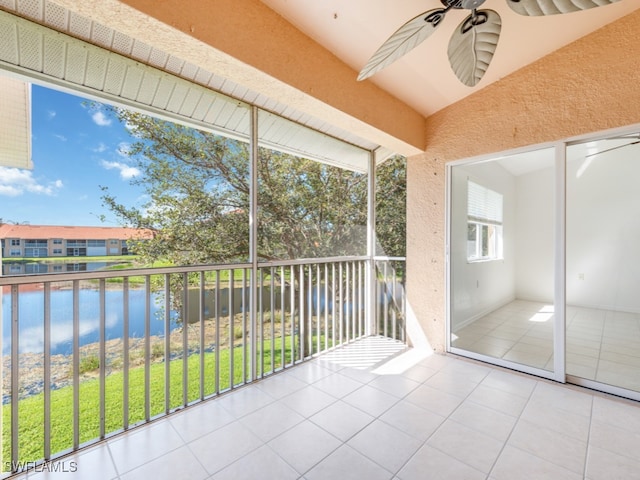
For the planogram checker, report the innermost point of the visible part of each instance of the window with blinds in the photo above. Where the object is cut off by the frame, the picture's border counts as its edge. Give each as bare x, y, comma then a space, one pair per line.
484, 223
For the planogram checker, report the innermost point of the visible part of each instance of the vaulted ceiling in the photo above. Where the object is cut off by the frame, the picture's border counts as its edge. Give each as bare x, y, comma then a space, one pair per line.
353, 30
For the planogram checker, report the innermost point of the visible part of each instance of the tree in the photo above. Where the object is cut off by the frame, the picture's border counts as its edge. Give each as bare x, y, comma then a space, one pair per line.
197, 184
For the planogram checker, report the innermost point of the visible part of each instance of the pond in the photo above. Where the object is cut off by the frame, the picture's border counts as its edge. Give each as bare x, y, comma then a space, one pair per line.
31, 311
40, 267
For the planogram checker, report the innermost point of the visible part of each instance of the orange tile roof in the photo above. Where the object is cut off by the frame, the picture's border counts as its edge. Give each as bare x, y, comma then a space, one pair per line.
40, 232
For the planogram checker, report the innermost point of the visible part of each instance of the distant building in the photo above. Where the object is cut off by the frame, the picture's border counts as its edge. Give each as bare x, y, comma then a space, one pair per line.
47, 241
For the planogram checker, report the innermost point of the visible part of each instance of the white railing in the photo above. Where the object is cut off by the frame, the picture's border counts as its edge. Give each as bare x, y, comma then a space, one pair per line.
89, 355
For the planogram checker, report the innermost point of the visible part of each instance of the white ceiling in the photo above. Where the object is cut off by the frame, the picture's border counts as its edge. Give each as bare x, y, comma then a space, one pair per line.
354, 29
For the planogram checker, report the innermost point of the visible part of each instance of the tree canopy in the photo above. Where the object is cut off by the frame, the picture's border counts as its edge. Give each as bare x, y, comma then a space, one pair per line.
197, 188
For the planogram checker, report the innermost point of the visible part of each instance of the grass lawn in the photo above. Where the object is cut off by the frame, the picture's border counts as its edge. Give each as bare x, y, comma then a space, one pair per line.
31, 416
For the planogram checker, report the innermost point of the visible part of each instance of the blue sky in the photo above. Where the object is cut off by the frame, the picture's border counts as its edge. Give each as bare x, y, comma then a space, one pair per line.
75, 149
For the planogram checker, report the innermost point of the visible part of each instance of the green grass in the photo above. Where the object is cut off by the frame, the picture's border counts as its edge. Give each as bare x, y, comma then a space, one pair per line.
31, 416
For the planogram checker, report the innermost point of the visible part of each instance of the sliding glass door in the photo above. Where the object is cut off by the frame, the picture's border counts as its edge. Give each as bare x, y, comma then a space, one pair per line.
603, 263
502, 260
544, 262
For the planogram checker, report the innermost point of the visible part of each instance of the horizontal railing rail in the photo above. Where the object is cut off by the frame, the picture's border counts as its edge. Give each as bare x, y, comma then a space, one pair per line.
91, 354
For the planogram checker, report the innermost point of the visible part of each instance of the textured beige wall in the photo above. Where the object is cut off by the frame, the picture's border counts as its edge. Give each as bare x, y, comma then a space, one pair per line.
588, 86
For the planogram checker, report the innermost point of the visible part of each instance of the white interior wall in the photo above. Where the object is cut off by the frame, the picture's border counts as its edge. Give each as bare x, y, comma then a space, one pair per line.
479, 287
535, 256
603, 229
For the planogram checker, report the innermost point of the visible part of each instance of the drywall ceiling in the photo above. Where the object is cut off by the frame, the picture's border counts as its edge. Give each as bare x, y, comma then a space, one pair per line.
353, 30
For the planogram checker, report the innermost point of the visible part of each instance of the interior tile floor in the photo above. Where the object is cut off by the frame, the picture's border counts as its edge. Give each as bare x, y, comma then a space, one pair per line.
412, 416
601, 345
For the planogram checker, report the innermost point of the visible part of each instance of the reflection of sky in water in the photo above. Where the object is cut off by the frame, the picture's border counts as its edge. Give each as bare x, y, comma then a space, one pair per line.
31, 311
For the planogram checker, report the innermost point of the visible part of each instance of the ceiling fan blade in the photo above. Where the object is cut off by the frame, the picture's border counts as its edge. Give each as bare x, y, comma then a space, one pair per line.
535, 8
473, 44
405, 39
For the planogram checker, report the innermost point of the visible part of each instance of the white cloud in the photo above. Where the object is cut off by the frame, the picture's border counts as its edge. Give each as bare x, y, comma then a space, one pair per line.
124, 149
15, 182
100, 148
51, 114
101, 119
126, 171
62, 138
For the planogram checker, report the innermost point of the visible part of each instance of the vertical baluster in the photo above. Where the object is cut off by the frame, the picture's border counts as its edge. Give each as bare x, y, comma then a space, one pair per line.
15, 371
125, 344
202, 301
147, 347
348, 301
317, 305
244, 325
272, 309
283, 325
394, 317
102, 354
385, 280
301, 313
232, 312
167, 342
260, 317
333, 304
292, 311
340, 302
217, 335
76, 364
360, 300
185, 339
309, 271
326, 306
47, 370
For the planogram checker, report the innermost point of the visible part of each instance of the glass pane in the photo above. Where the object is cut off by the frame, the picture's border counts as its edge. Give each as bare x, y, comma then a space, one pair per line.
503, 306
603, 262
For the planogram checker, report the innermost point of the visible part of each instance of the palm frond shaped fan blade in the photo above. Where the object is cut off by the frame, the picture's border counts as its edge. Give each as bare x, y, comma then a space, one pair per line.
405, 39
473, 44
534, 8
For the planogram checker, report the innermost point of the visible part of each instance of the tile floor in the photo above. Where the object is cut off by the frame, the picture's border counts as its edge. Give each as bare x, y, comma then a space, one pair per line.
412, 417
602, 345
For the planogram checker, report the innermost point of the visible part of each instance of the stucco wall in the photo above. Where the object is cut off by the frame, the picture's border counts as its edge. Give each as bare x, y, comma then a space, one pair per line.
590, 85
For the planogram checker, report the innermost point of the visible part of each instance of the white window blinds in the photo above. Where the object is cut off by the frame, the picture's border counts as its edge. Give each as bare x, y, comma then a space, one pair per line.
15, 123
483, 204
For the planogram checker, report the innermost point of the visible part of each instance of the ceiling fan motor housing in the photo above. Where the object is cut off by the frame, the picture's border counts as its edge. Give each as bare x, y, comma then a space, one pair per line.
460, 4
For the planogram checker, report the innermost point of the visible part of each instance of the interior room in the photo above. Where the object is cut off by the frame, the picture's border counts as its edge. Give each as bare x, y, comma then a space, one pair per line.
505, 276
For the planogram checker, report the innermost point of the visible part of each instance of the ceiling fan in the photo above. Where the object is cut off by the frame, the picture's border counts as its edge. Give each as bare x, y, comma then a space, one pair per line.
473, 42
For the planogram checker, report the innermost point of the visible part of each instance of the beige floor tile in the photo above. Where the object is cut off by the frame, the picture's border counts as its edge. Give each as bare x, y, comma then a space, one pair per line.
180, 463
614, 439
385, 445
337, 385
412, 419
514, 463
221, 448
496, 424
359, 467
261, 463
606, 465
550, 445
432, 464
434, 400
143, 445
270, 421
371, 400
557, 420
342, 420
498, 400
467, 445
304, 446
517, 384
